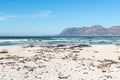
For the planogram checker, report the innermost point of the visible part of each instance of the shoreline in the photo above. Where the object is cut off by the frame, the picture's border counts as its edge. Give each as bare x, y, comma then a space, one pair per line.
60, 62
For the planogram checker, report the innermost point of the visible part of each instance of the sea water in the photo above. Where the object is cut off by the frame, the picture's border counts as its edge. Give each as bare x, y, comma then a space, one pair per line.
58, 40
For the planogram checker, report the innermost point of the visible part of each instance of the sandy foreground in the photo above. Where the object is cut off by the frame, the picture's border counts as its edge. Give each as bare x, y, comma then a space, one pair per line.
96, 62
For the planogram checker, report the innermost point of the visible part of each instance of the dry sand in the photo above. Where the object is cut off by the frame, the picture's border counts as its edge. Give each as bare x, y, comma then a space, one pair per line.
96, 62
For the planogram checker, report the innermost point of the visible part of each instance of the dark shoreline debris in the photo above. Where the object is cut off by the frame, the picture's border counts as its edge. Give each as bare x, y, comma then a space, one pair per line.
4, 51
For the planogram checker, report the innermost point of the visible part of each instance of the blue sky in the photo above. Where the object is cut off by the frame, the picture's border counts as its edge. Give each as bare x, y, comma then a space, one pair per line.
50, 17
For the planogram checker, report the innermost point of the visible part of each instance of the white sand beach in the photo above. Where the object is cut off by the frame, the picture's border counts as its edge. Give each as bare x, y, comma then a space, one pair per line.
96, 62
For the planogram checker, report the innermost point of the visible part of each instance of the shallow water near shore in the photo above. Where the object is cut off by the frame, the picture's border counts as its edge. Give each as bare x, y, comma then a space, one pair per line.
58, 40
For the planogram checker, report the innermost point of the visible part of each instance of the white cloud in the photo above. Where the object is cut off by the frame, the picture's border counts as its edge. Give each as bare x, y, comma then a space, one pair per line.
43, 14
3, 18
13, 16
47, 13
6, 17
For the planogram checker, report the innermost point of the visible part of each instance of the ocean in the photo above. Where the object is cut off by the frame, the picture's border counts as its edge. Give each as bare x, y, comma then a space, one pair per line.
58, 40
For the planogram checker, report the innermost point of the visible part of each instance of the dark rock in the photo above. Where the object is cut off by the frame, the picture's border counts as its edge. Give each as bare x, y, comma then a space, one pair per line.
61, 45
4, 51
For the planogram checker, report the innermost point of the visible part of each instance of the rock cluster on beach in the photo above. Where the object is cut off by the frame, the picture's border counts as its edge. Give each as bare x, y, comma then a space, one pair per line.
83, 62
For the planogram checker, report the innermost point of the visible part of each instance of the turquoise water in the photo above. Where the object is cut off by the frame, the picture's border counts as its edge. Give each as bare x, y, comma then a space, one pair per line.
57, 40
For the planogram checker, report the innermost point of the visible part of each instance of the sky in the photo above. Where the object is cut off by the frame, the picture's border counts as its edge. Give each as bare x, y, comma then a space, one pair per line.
50, 17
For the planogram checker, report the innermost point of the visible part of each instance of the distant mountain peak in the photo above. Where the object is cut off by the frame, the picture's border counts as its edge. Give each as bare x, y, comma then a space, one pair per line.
97, 27
93, 30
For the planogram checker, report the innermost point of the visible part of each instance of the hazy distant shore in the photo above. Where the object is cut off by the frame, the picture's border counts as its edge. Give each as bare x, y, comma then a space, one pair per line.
85, 62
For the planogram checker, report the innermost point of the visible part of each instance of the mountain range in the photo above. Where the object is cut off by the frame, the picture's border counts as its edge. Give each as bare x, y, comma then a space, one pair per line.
94, 30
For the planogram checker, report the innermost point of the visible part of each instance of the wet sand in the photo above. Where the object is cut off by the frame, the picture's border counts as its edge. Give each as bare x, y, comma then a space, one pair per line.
95, 62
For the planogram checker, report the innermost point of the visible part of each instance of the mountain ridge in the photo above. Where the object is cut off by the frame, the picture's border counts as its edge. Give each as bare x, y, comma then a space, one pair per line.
95, 30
